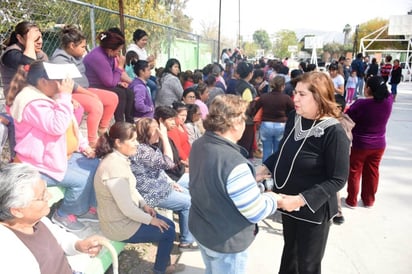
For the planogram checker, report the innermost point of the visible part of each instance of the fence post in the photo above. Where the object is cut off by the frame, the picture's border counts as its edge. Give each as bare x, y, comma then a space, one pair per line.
198, 51
92, 27
169, 42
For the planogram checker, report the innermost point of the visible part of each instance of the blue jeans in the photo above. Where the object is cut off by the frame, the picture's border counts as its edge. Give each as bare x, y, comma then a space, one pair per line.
359, 87
151, 83
228, 263
180, 202
270, 134
394, 89
149, 234
78, 182
184, 180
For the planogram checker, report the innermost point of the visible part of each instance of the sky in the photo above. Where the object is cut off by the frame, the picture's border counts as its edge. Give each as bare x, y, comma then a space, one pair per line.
273, 15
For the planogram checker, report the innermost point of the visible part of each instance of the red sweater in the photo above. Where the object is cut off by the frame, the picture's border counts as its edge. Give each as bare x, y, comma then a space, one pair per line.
181, 141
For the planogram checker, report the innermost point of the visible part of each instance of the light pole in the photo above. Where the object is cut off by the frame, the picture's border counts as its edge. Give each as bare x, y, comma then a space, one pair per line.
218, 32
239, 27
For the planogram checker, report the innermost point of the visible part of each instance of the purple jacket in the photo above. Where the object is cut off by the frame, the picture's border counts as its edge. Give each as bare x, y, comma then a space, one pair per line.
370, 119
101, 70
143, 105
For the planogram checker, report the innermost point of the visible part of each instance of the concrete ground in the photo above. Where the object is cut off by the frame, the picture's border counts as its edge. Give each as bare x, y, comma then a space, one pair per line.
371, 241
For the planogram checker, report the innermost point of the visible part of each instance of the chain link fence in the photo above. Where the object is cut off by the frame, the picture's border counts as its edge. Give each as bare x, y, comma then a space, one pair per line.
50, 15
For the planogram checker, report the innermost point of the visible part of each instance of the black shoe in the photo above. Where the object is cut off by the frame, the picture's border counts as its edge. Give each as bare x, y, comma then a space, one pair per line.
338, 220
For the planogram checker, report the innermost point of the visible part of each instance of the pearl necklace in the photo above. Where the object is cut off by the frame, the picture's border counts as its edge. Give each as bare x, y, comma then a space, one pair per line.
300, 134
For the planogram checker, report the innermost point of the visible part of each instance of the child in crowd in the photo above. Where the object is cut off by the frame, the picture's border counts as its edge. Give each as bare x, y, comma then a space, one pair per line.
351, 87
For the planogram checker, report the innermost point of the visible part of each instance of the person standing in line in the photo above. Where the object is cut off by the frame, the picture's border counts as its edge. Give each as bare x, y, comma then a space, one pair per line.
351, 87
386, 68
224, 191
372, 69
308, 169
105, 70
99, 104
395, 79
371, 116
337, 79
358, 66
276, 107
170, 87
248, 93
140, 38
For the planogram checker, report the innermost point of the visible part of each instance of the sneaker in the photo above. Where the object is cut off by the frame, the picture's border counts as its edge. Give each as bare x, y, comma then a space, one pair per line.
89, 216
68, 222
188, 247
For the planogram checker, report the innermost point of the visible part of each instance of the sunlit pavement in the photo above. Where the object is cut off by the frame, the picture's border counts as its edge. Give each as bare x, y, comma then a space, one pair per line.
371, 241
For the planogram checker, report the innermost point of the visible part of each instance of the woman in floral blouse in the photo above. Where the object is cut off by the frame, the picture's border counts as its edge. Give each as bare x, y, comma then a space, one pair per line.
158, 190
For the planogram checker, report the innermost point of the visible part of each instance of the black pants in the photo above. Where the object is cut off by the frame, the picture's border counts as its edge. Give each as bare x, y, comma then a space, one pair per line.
125, 109
304, 246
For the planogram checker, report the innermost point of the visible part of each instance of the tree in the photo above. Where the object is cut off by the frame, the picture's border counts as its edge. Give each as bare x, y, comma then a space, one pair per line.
372, 25
346, 31
261, 38
283, 39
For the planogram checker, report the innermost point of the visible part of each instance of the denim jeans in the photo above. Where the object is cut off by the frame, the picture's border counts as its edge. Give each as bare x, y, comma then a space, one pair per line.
228, 263
270, 134
151, 83
78, 182
184, 180
180, 202
359, 87
149, 234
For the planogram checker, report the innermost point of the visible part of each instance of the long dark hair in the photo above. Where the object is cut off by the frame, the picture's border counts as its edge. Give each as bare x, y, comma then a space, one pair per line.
21, 29
378, 88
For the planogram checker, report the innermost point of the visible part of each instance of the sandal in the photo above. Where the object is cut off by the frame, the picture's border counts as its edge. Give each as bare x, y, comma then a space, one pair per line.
188, 247
174, 268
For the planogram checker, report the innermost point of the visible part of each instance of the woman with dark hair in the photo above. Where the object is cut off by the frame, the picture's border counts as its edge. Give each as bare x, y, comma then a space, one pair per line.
189, 96
179, 134
124, 215
48, 137
140, 38
191, 123
167, 116
371, 116
170, 87
143, 105
202, 95
105, 70
23, 48
159, 190
98, 103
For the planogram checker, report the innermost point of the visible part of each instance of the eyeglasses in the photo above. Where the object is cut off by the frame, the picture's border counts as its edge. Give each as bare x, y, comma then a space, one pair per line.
45, 197
191, 97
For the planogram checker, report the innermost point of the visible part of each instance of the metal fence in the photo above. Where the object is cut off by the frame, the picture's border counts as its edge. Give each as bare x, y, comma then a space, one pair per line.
165, 41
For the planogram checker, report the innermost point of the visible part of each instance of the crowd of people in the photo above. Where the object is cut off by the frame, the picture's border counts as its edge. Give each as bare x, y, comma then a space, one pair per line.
184, 141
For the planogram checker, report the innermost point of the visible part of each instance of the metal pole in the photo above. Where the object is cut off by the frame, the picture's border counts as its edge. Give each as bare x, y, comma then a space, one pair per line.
92, 26
218, 33
239, 27
121, 14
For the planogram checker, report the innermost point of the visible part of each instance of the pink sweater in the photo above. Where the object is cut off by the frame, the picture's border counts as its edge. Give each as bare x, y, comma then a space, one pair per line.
41, 125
